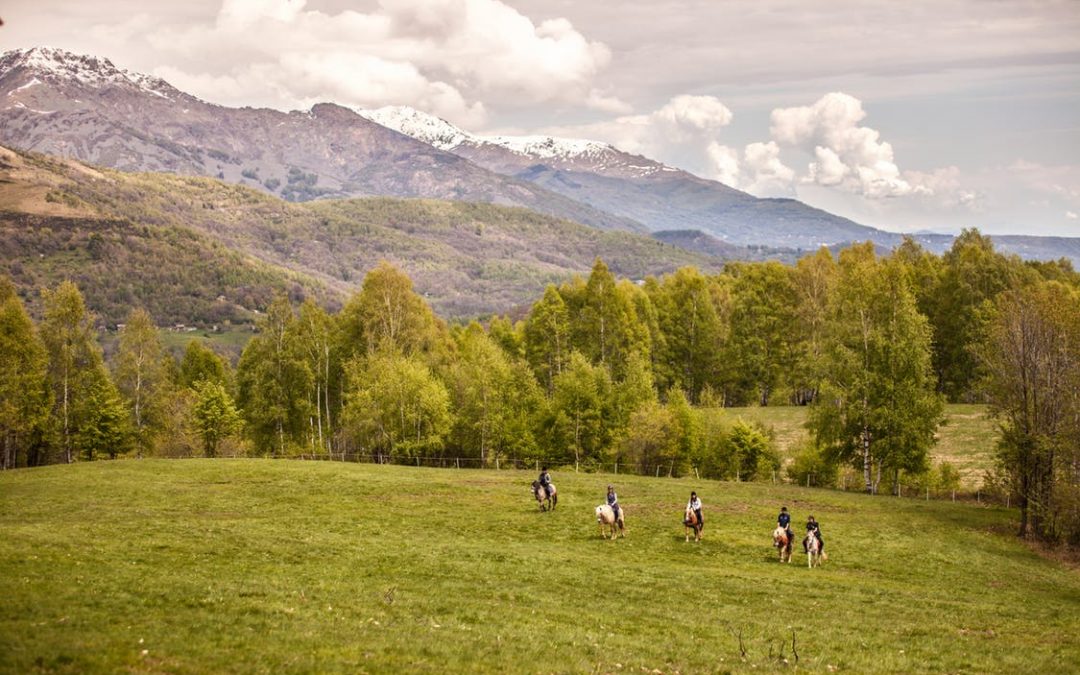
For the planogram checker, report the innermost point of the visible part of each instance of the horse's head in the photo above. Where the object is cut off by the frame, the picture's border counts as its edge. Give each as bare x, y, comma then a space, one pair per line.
535, 485
779, 536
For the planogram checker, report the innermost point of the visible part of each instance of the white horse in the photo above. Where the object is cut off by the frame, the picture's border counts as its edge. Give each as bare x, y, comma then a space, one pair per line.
813, 550
605, 516
782, 542
552, 498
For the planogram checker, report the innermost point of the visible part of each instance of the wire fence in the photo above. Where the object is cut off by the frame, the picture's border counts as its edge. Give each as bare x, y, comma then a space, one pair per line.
841, 483
667, 469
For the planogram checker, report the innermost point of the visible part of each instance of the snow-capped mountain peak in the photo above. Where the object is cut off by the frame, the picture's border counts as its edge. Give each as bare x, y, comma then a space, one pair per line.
551, 147
445, 136
419, 125
60, 65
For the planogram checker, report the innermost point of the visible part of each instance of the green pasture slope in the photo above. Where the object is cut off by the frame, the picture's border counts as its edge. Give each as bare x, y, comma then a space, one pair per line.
196, 566
966, 439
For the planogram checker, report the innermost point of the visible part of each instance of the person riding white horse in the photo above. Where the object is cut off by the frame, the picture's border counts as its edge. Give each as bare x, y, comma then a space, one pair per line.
813, 545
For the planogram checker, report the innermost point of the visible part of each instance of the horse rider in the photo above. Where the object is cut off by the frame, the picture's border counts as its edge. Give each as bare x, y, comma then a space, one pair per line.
784, 521
813, 529
613, 501
695, 505
545, 482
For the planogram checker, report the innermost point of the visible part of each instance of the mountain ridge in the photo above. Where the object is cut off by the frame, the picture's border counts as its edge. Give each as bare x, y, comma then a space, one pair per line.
84, 107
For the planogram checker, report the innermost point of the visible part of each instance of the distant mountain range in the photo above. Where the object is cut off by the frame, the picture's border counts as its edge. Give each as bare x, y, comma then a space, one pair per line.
84, 107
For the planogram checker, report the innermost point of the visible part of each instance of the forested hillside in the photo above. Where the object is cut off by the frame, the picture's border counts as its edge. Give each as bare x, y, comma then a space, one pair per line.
174, 244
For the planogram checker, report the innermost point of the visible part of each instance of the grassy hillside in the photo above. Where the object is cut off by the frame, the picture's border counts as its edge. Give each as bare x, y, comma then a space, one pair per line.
966, 439
465, 258
262, 566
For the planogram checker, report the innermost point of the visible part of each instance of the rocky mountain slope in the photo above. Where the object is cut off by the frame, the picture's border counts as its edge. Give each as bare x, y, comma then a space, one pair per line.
84, 107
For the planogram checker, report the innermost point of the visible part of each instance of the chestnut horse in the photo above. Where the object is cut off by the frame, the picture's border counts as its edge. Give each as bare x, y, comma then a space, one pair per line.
813, 550
782, 542
691, 522
552, 498
605, 516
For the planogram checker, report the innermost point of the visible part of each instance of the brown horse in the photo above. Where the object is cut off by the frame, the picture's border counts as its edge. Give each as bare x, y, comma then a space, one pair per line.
690, 520
552, 497
605, 516
783, 543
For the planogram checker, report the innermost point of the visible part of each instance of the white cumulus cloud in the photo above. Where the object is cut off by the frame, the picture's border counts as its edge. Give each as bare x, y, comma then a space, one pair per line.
846, 154
448, 57
682, 132
764, 174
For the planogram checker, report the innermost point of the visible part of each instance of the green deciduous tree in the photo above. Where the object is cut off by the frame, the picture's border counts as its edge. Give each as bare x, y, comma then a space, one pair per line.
480, 379
275, 382
395, 405
314, 335
973, 274
693, 336
814, 280
102, 422
580, 405
547, 337
200, 363
607, 330
142, 376
388, 314
25, 396
878, 407
651, 438
214, 415
74, 359
1031, 355
764, 339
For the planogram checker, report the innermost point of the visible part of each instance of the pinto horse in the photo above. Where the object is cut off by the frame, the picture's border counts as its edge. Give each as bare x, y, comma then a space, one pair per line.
782, 542
813, 550
551, 497
605, 516
690, 520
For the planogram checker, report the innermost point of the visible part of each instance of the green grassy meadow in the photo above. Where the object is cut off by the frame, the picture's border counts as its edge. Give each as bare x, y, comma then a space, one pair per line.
966, 439
262, 566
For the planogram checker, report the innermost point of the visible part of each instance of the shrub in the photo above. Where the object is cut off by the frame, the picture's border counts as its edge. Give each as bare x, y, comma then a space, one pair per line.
810, 465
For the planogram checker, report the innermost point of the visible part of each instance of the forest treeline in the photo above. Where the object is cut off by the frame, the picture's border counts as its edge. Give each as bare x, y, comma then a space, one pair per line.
599, 371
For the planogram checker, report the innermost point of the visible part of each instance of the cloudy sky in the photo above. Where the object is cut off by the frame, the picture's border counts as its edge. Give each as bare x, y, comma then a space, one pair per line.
904, 115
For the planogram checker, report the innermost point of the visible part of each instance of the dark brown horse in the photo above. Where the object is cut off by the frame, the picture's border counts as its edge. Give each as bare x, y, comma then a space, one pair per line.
551, 497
